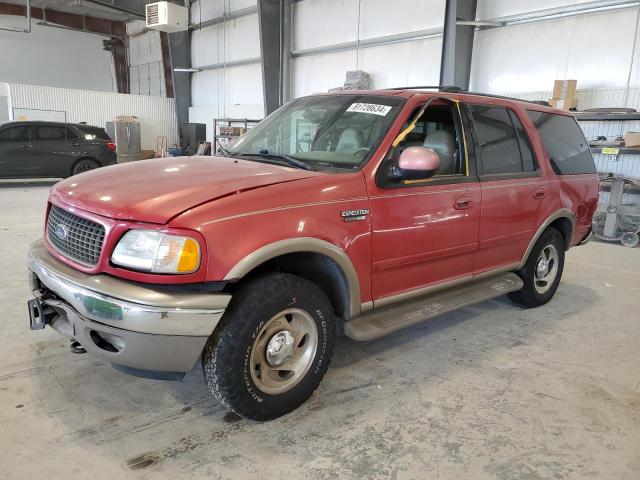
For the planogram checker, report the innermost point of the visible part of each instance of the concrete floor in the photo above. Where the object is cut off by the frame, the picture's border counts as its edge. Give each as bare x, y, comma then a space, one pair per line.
491, 391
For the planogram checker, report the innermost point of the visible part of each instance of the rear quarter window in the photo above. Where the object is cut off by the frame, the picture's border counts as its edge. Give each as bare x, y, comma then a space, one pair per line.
566, 145
95, 133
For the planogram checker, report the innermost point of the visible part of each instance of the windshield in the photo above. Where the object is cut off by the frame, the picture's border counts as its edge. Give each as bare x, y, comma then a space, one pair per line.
324, 132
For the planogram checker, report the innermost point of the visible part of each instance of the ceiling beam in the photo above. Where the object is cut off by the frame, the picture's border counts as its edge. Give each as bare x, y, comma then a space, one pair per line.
135, 8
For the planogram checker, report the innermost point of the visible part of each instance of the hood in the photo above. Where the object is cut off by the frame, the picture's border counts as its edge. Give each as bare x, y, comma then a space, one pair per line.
157, 190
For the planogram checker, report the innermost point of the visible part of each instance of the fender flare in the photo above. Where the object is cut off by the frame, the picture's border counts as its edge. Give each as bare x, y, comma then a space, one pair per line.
561, 213
303, 245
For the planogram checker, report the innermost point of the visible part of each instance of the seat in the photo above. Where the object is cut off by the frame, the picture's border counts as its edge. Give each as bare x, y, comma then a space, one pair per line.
443, 143
350, 141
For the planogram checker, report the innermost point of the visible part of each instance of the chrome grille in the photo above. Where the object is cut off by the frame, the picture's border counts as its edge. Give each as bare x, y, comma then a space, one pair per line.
75, 237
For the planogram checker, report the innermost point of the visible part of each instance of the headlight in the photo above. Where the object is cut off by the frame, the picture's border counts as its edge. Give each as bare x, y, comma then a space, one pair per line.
157, 252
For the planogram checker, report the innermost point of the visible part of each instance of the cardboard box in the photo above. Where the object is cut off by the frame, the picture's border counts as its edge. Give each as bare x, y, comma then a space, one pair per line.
563, 103
147, 154
126, 118
632, 139
564, 89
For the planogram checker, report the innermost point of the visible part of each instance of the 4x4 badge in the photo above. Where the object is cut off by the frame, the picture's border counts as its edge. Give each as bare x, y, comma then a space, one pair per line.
354, 215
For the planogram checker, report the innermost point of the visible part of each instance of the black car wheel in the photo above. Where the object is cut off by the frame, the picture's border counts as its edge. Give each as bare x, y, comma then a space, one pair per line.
84, 165
543, 270
272, 346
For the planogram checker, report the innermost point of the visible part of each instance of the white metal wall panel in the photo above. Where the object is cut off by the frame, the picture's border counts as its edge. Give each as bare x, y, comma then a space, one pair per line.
240, 41
157, 115
146, 69
488, 9
54, 57
377, 18
226, 93
389, 66
595, 49
230, 91
211, 9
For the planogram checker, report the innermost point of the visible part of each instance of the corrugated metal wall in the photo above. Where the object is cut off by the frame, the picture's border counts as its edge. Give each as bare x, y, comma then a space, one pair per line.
157, 115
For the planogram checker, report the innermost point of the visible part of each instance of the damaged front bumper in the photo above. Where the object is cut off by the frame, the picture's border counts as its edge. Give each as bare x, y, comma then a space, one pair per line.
138, 326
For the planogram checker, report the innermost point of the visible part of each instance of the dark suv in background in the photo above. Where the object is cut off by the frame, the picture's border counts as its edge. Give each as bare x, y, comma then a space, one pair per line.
50, 149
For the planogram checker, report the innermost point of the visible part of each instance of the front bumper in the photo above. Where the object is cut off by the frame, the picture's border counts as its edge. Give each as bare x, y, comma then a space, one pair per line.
129, 324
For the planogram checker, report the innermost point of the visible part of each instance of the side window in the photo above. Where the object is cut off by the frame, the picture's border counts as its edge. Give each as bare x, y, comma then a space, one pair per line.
47, 132
504, 146
566, 146
71, 134
15, 134
437, 129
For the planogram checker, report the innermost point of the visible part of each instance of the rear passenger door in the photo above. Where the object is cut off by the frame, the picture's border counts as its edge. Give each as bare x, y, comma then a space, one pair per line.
55, 149
512, 184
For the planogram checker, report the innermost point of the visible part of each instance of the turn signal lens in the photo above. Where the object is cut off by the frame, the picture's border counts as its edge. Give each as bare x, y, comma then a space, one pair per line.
189, 256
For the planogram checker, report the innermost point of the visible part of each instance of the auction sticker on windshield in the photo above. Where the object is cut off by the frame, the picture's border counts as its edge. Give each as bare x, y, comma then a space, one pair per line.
372, 108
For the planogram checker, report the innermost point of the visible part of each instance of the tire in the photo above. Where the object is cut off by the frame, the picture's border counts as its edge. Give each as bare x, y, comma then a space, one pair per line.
539, 289
84, 165
236, 361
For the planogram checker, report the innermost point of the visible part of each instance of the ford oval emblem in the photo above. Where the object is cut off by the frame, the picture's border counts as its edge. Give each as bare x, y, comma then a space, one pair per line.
61, 231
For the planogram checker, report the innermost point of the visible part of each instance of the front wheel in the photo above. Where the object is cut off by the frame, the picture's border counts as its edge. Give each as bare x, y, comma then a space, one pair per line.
542, 272
271, 348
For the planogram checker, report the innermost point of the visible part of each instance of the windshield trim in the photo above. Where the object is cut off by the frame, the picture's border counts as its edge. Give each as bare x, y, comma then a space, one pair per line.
374, 147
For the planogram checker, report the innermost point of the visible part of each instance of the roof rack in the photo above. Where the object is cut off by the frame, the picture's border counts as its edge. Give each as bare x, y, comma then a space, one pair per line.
441, 88
454, 89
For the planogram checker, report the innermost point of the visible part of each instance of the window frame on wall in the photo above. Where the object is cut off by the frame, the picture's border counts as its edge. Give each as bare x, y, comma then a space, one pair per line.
522, 140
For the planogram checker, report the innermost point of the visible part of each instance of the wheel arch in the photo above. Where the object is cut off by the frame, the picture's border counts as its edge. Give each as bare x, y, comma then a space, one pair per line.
319, 261
564, 220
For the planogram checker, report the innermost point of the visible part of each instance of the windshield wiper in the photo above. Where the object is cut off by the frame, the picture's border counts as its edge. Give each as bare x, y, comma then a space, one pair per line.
294, 162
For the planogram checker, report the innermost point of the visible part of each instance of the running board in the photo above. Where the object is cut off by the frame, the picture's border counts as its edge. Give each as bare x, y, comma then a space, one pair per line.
383, 321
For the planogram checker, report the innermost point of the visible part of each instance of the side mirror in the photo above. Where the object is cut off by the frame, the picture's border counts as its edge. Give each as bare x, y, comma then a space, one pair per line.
417, 163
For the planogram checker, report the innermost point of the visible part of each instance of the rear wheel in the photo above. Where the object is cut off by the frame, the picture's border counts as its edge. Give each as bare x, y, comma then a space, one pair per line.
272, 347
84, 165
542, 272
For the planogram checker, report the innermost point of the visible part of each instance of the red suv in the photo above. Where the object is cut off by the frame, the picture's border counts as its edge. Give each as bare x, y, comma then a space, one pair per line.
360, 213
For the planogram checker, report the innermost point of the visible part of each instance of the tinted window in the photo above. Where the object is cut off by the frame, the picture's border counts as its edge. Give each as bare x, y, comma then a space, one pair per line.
498, 141
46, 132
15, 134
566, 146
71, 134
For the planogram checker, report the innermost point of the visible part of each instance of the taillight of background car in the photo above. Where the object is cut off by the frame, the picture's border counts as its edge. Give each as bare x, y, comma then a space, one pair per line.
111, 146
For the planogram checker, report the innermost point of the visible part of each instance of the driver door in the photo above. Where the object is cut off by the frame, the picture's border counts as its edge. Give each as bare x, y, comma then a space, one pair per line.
425, 232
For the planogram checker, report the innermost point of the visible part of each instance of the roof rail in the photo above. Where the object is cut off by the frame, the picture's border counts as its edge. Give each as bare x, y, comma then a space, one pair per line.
442, 88
454, 89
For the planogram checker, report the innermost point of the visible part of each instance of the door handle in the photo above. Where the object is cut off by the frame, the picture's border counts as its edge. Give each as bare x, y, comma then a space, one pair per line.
539, 192
461, 202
